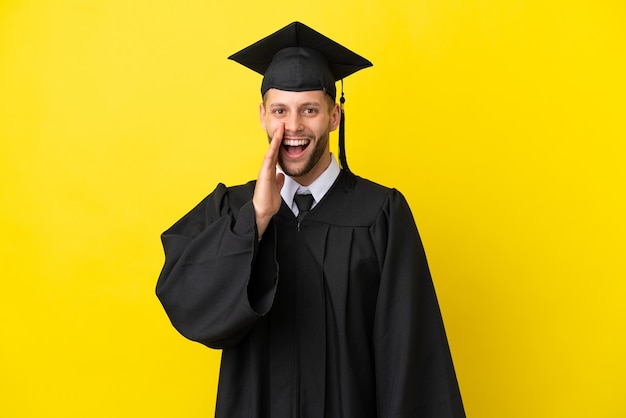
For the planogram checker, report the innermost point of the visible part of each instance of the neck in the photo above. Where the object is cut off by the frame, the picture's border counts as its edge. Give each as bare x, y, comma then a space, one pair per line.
315, 172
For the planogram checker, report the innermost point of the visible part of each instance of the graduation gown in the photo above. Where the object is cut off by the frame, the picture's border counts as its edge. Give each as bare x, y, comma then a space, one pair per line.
335, 316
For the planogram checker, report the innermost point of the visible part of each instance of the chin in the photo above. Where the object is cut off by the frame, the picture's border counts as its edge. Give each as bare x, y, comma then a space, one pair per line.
296, 171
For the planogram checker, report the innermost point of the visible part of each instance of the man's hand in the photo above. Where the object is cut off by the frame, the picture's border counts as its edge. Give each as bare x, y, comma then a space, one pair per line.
266, 199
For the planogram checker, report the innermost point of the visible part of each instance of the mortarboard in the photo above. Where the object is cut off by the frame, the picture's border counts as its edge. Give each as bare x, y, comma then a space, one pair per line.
298, 58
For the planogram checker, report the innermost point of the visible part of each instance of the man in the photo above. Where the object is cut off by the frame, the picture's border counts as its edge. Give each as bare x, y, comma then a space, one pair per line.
311, 279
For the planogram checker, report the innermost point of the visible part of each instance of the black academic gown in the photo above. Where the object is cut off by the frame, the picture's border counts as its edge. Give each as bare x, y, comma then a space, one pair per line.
333, 317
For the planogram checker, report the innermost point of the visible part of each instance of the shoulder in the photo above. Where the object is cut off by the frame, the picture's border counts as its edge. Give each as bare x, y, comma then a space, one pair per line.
363, 185
223, 200
377, 196
236, 196
361, 202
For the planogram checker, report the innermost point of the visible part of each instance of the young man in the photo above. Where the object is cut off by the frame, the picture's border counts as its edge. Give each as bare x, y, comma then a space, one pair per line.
312, 280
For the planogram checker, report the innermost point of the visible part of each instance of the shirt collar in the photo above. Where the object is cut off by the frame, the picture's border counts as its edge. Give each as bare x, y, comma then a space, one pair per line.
318, 188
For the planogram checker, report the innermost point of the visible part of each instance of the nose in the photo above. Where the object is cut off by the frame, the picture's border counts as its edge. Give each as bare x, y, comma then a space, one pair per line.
293, 122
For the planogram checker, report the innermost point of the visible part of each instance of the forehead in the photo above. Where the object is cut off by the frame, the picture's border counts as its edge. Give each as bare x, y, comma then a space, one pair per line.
295, 98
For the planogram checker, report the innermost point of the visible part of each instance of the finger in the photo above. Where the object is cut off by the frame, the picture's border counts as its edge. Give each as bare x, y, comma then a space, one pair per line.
277, 139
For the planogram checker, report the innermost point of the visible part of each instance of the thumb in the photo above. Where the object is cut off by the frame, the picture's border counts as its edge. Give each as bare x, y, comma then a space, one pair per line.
280, 180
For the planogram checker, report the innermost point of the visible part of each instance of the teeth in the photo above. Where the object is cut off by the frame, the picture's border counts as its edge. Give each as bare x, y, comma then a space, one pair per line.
295, 142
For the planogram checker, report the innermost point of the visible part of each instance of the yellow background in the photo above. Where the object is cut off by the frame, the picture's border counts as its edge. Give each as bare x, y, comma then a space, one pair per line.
503, 122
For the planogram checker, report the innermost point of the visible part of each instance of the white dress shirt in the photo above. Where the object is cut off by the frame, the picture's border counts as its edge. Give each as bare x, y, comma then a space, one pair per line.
318, 188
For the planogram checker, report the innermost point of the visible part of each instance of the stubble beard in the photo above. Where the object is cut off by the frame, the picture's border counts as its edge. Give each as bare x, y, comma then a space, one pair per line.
311, 162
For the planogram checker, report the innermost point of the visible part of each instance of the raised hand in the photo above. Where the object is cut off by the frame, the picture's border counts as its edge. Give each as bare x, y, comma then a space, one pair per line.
266, 199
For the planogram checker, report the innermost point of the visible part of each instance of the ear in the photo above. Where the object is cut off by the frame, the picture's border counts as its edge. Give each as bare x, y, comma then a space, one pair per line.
335, 116
262, 115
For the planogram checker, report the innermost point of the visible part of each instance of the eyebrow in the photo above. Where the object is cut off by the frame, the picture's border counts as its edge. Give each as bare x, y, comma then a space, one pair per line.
301, 105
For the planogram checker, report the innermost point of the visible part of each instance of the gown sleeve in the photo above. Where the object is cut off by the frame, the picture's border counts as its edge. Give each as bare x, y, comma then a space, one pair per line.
217, 280
414, 370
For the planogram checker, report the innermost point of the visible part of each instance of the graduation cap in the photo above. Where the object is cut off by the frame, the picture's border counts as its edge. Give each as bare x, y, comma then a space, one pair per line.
298, 58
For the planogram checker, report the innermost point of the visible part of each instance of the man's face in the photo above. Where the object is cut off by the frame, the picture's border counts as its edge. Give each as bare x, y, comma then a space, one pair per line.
309, 117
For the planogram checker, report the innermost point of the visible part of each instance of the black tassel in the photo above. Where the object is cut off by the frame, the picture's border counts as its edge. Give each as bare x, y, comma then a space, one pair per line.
349, 178
342, 134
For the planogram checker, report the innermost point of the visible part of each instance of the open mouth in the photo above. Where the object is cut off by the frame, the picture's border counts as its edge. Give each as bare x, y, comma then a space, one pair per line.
295, 147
